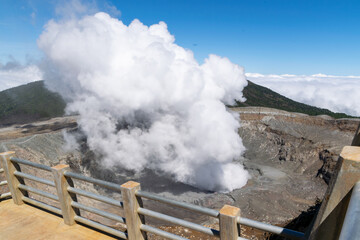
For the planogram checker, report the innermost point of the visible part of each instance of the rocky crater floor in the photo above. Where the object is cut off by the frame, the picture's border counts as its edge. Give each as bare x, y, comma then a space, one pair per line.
290, 158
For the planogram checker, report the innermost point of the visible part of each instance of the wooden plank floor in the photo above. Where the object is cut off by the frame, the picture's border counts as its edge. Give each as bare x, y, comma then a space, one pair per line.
24, 222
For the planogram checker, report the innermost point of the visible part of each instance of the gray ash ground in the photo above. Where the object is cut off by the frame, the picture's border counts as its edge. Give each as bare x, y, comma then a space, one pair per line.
290, 158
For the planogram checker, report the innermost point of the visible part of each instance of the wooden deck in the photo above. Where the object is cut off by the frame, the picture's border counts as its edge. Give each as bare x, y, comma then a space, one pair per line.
24, 222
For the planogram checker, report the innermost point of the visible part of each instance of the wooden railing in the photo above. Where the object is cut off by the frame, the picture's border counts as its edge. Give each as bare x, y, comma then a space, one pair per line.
338, 216
356, 140
2, 184
130, 204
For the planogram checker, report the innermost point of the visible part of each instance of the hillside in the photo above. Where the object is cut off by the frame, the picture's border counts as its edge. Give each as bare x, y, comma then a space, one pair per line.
30, 102
259, 96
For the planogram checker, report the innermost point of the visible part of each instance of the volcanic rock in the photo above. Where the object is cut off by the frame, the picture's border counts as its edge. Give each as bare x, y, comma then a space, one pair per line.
290, 157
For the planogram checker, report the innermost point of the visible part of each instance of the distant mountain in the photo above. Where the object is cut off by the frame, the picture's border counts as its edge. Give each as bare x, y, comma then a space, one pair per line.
28, 103
259, 96
32, 102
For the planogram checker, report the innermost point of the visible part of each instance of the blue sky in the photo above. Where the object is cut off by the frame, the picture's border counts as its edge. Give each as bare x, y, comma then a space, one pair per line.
268, 37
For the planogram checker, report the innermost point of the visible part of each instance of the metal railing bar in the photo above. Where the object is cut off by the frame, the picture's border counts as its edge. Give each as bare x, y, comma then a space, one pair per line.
39, 192
95, 197
350, 227
34, 178
1, 170
2, 183
188, 206
101, 227
241, 238
102, 183
5, 195
184, 223
98, 212
160, 232
42, 205
270, 228
32, 164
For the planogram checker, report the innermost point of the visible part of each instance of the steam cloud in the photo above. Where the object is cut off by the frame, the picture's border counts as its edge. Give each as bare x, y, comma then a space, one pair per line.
337, 93
13, 74
145, 102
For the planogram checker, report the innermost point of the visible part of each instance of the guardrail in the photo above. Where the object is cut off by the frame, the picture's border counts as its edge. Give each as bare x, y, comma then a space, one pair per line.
356, 140
174, 220
2, 184
342, 196
19, 191
64, 179
350, 229
131, 204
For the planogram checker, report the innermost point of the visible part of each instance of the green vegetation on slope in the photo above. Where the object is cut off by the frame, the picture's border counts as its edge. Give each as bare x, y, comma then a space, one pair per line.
259, 96
29, 103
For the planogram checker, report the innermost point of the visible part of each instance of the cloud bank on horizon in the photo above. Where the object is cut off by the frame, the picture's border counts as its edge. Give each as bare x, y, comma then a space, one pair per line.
13, 74
336, 93
145, 102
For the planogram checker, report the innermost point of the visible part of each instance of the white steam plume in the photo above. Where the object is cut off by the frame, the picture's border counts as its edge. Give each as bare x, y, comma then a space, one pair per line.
336, 93
145, 102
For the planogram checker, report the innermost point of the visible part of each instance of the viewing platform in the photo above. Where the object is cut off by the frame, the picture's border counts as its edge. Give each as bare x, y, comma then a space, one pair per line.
28, 222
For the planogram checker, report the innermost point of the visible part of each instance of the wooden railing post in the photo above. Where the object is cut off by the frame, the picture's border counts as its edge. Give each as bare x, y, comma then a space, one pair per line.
13, 182
331, 214
229, 228
356, 140
65, 198
131, 206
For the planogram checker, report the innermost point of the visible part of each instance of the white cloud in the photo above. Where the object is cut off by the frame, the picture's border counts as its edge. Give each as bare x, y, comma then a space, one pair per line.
145, 102
112, 10
33, 18
336, 93
70, 9
14, 74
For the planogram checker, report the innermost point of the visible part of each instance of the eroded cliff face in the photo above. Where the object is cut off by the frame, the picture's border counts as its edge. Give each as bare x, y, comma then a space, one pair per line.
294, 142
290, 157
